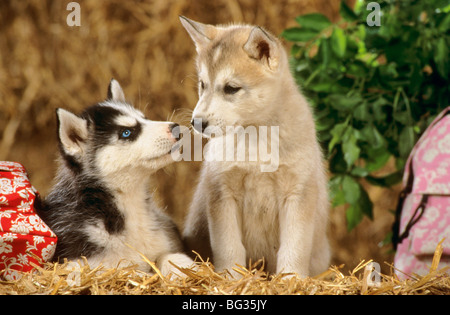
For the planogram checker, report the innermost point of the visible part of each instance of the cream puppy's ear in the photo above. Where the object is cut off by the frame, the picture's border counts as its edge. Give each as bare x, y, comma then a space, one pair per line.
263, 47
115, 92
201, 34
72, 133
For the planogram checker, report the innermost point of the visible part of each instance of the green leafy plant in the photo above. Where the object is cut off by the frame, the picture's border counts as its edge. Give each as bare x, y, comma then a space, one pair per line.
374, 89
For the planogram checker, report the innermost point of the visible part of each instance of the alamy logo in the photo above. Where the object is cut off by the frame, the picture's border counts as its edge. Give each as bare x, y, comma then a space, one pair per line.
231, 144
372, 274
74, 277
74, 17
374, 17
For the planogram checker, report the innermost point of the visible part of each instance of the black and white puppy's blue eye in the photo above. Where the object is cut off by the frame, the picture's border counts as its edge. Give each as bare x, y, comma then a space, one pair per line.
125, 133
128, 133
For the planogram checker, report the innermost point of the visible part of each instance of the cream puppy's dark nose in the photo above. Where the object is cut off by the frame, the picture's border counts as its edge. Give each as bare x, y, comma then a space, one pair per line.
199, 124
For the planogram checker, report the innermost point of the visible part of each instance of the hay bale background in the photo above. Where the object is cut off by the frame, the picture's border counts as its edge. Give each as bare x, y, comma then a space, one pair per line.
45, 64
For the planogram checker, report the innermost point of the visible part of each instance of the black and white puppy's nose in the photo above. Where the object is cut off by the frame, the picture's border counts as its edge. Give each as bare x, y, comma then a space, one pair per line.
199, 124
175, 130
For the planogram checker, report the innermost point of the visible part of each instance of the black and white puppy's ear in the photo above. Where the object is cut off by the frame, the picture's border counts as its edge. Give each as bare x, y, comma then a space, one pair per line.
263, 47
72, 133
115, 92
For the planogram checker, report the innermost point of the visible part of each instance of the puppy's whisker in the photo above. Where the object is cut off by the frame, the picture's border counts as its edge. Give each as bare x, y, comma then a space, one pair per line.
145, 107
183, 116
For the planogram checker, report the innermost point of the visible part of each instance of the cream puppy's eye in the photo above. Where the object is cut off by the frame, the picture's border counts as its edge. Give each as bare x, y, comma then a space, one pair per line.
202, 85
230, 90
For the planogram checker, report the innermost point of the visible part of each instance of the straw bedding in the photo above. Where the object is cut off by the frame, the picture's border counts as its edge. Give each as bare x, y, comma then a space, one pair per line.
61, 279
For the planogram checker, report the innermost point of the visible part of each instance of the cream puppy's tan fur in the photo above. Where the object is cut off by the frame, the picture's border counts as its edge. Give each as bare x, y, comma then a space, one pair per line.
238, 211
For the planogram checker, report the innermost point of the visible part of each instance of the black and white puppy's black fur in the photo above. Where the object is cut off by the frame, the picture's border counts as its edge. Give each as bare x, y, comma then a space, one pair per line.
100, 206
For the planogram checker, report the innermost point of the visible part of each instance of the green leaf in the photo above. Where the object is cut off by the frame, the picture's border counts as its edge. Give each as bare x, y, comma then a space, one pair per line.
326, 87
297, 34
354, 216
347, 13
376, 158
351, 189
337, 133
445, 9
314, 21
372, 136
343, 102
362, 112
338, 42
336, 193
361, 207
406, 141
322, 113
325, 52
386, 181
441, 57
357, 68
325, 124
350, 149
444, 25
379, 114
402, 117
359, 171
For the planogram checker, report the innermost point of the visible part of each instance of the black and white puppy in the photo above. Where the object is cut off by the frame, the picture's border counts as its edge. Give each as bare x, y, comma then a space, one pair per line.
100, 206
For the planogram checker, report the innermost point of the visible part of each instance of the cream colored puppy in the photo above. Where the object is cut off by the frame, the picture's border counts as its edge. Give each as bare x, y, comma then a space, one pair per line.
254, 208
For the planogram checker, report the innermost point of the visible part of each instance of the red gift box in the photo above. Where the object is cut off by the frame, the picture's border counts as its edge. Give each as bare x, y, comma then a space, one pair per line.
24, 237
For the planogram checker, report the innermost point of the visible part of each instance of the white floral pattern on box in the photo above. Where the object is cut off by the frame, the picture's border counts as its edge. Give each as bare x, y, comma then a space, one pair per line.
24, 237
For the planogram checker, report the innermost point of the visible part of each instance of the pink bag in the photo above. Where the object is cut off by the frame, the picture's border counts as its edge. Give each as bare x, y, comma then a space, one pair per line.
423, 214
